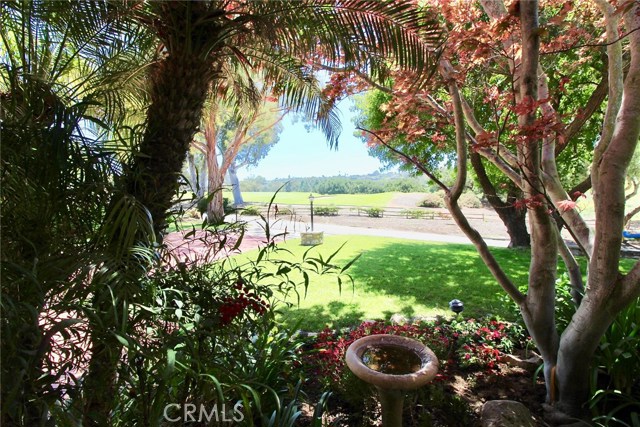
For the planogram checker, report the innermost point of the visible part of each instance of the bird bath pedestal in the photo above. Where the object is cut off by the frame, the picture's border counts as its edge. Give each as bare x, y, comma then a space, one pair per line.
311, 238
394, 365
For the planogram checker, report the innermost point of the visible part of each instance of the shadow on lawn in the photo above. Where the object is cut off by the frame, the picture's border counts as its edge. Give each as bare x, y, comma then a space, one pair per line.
336, 313
434, 274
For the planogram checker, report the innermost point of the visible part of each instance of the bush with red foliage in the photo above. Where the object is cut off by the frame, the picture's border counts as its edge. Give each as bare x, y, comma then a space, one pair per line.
457, 344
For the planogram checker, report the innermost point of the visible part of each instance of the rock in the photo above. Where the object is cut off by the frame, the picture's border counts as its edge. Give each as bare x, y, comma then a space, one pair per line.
558, 418
530, 364
399, 319
506, 413
423, 319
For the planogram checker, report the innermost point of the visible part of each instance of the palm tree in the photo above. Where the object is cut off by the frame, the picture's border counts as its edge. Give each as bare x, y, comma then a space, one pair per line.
68, 77
65, 65
203, 43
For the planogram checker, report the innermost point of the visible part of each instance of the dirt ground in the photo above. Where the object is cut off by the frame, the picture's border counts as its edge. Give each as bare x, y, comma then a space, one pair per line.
490, 227
486, 221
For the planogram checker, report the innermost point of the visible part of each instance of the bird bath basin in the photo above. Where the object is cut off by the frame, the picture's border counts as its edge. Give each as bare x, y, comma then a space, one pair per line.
394, 365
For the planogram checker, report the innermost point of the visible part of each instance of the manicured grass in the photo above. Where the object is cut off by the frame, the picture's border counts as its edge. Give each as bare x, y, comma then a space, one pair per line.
414, 278
299, 198
184, 224
399, 276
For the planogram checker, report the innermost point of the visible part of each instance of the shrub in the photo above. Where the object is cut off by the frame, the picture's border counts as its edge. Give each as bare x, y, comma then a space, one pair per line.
251, 211
203, 203
193, 213
326, 211
475, 345
413, 213
432, 200
374, 212
209, 335
469, 200
285, 211
480, 344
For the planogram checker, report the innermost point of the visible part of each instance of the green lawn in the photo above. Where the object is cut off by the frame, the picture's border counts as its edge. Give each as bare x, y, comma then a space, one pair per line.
400, 276
299, 198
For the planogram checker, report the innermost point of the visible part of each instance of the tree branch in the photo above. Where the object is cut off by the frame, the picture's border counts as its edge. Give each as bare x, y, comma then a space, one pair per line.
635, 185
452, 198
580, 188
584, 114
409, 159
616, 82
630, 215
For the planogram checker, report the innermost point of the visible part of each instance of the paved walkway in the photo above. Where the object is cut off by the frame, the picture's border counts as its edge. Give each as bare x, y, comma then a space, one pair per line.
293, 229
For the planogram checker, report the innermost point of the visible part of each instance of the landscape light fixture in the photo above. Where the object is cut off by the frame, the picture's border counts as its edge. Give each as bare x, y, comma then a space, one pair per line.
311, 198
456, 306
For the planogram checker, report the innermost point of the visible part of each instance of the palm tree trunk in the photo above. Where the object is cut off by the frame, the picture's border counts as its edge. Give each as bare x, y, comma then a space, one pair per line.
179, 87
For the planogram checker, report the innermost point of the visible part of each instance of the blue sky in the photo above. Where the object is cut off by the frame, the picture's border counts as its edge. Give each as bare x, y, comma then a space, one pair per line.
300, 153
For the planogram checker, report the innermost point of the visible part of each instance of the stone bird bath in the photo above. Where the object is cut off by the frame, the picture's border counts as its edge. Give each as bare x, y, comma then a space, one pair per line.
394, 365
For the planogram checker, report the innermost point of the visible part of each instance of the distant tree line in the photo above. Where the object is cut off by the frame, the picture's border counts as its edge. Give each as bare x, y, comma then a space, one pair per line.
371, 184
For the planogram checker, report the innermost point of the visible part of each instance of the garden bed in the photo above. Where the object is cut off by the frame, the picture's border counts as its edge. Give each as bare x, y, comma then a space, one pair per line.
473, 370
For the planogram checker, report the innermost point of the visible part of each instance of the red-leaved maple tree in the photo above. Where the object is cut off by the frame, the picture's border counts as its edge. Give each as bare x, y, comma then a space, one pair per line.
517, 85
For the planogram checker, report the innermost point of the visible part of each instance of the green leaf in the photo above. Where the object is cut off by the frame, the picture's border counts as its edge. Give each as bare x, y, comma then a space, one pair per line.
350, 263
171, 360
122, 340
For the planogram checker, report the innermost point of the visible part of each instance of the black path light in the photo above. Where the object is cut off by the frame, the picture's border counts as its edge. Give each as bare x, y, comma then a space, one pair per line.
311, 201
456, 306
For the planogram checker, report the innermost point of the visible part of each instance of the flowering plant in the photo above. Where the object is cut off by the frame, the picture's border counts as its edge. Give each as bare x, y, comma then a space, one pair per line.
465, 344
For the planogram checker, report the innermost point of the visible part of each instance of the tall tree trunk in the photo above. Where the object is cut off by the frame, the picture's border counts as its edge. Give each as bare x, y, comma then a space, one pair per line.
516, 222
235, 185
538, 309
608, 290
203, 176
215, 209
100, 382
513, 219
194, 176
179, 87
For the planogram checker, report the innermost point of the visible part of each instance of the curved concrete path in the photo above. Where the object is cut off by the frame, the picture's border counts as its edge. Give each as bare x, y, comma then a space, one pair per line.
293, 230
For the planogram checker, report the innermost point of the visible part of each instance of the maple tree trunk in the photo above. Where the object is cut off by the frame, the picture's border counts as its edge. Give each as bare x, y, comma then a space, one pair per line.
538, 310
577, 347
609, 291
